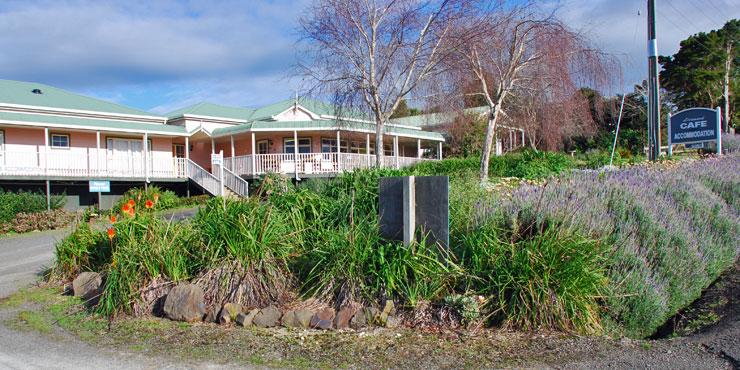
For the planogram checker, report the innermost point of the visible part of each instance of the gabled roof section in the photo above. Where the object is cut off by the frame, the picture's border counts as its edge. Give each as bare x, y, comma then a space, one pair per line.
314, 106
207, 109
40, 95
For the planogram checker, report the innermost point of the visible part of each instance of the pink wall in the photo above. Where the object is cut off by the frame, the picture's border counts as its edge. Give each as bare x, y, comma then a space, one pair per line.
23, 136
201, 153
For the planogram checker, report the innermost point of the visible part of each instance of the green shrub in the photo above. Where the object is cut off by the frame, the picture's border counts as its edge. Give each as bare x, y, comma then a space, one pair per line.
13, 203
165, 199
83, 250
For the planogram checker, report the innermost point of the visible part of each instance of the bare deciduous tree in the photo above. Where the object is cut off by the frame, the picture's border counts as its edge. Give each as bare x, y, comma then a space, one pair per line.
521, 55
374, 53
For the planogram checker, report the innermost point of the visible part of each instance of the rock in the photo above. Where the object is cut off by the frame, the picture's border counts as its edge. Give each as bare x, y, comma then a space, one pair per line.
359, 320
185, 303
87, 286
389, 308
392, 322
323, 319
297, 319
345, 314
229, 313
373, 315
246, 319
210, 316
267, 317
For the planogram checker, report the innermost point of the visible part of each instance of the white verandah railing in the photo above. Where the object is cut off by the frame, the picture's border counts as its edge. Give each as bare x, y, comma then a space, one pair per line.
311, 163
90, 163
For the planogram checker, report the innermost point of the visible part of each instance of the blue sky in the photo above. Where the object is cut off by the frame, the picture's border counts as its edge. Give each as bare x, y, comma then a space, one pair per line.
161, 55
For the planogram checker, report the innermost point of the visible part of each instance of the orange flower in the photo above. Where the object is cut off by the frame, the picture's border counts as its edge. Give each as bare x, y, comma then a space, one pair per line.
113, 218
156, 198
111, 233
130, 211
131, 203
148, 204
125, 208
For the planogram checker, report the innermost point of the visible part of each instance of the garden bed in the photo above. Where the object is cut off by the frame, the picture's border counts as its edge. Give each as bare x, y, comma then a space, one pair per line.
586, 252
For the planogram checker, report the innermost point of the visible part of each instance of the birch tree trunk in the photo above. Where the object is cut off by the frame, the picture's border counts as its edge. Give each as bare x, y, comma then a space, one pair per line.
485, 158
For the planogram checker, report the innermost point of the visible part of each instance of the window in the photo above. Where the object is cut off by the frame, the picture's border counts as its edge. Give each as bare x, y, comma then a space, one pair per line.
179, 150
263, 147
59, 141
304, 145
330, 145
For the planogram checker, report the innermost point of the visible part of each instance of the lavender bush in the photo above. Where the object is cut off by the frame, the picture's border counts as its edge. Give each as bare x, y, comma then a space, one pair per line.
672, 229
730, 143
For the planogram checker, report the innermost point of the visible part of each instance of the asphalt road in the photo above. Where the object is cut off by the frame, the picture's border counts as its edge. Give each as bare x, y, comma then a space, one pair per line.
24, 257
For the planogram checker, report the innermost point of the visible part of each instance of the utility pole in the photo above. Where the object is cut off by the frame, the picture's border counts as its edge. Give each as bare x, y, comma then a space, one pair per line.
653, 94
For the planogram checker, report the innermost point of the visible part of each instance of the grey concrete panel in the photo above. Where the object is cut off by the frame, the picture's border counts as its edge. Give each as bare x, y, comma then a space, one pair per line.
391, 208
433, 208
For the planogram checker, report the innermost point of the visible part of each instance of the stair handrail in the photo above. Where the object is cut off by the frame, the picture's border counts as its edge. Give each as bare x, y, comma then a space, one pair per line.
200, 176
235, 183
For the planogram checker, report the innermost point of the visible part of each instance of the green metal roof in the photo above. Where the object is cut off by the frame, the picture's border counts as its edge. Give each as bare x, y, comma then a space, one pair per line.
434, 119
213, 110
21, 93
325, 125
91, 123
315, 106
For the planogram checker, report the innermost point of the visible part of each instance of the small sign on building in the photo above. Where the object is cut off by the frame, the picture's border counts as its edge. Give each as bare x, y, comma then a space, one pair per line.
217, 159
99, 186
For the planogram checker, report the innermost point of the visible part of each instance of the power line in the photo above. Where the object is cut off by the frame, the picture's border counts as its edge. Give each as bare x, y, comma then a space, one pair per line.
703, 13
683, 16
689, 33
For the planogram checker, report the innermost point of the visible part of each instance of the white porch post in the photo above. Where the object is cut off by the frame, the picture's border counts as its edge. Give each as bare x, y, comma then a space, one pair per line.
439, 150
46, 150
367, 149
213, 146
97, 152
232, 152
511, 140
339, 153
254, 156
418, 148
187, 156
395, 149
523, 140
295, 153
146, 158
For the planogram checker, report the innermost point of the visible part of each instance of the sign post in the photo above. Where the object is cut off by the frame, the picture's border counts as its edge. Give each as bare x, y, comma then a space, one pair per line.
695, 126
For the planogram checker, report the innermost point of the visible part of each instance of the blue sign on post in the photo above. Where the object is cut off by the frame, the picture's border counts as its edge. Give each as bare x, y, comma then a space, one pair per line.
99, 186
694, 125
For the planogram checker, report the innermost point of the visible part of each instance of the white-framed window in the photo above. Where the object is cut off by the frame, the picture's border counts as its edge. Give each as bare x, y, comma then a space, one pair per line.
60, 141
178, 150
329, 145
304, 145
263, 147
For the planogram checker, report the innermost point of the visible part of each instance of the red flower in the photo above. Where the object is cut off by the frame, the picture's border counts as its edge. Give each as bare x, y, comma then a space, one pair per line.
111, 233
131, 203
125, 208
113, 218
148, 204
